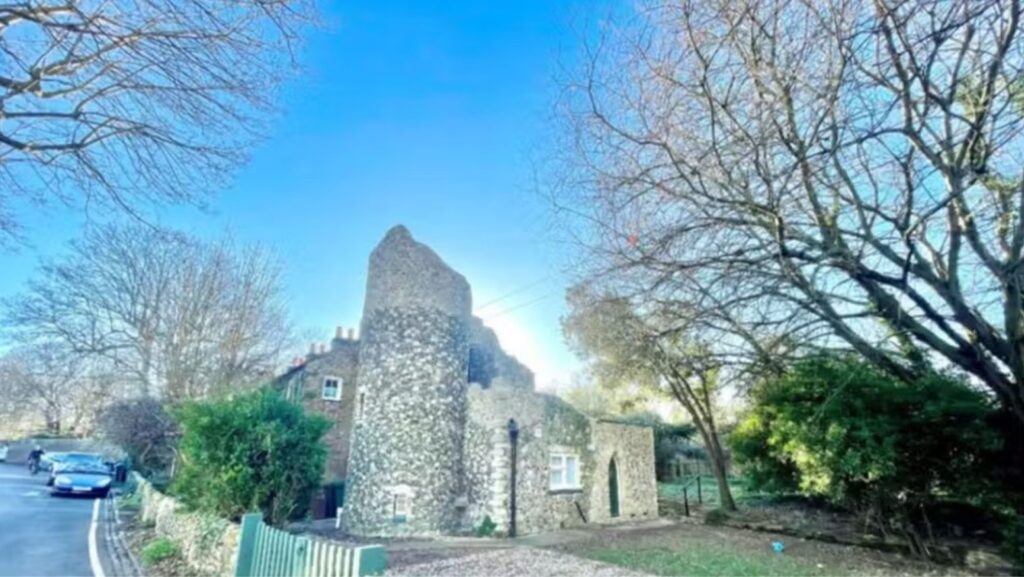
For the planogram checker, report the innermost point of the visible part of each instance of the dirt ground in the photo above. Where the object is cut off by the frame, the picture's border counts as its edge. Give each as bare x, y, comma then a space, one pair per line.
512, 562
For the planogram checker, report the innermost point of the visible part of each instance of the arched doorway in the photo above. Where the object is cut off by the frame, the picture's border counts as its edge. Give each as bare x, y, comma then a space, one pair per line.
613, 488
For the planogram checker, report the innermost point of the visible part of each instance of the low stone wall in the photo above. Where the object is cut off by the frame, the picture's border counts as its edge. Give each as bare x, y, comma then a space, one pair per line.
209, 544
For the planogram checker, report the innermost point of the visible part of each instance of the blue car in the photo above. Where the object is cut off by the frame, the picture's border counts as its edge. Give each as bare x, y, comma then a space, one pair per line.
58, 461
82, 478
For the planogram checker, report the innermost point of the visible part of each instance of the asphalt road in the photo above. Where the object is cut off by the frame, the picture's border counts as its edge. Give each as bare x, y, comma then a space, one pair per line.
42, 535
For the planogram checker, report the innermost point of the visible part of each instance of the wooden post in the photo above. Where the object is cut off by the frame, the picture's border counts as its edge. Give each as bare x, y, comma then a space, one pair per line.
247, 544
373, 560
300, 554
686, 503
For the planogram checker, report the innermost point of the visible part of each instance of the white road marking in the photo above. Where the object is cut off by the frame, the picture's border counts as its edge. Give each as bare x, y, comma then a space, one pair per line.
32, 494
94, 556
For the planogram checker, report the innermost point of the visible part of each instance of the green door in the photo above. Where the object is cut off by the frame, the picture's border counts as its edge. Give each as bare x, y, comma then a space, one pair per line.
613, 488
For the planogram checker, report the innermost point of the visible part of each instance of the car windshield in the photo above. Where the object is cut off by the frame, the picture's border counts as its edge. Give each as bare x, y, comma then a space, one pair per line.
85, 468
82, 458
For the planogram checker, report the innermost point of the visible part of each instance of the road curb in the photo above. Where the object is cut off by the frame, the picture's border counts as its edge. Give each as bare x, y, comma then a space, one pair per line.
124, 563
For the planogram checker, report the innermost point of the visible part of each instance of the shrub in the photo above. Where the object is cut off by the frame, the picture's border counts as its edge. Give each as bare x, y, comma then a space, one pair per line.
130, 501
485, 528
254, 452
158, 550
145, 430
839, 428
1013, 542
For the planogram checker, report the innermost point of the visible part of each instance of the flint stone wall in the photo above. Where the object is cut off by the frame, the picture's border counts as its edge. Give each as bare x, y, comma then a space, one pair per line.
632, 447
405, 274
413, 378
208, 544
545, 423
490, 365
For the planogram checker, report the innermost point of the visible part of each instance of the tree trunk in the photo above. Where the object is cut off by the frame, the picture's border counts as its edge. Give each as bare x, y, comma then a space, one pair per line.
721, 475
717, 457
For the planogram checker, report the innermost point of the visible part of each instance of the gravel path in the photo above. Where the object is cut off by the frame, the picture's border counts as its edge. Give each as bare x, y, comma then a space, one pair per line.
517, 562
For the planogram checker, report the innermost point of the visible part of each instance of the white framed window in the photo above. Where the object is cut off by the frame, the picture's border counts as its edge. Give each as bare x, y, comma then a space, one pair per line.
564, 472
332, 389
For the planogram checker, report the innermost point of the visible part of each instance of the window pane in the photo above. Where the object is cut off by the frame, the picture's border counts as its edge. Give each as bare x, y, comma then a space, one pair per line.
332, 388
556, 478
570, 471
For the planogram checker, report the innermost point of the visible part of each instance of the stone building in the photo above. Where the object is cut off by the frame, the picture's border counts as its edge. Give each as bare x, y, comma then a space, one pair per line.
424, 405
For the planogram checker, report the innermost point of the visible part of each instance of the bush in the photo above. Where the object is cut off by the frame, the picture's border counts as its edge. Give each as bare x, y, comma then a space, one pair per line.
485, 528
146, 432
131, 501
1013, 542
255, 452
158, 550
838, 428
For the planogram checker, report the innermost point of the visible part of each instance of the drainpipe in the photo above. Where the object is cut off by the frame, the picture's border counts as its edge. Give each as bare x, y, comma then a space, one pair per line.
513, 438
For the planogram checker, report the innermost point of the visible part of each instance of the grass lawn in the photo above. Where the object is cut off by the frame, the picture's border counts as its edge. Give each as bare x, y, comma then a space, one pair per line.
704, 562
709, 490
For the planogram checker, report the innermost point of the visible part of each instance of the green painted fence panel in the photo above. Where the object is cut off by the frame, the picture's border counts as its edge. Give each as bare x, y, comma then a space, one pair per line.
264, 551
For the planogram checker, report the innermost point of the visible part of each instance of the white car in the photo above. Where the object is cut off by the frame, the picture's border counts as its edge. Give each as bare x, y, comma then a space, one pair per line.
3, 453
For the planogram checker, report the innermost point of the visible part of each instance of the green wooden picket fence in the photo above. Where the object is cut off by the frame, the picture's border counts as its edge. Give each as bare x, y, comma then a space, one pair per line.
264, 551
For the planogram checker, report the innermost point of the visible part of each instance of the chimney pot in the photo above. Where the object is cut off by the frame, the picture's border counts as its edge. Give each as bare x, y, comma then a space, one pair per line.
351, 334
339, 333
323, 348
312, 348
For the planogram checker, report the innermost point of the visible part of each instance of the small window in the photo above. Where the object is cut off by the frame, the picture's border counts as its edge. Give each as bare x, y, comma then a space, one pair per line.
402, 507
332, 389
564, 472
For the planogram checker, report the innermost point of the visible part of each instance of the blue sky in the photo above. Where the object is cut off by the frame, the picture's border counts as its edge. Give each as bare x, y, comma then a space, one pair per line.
428, 114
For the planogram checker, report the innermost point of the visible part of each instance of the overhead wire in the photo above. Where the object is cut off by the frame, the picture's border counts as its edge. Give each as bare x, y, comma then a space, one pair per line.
513, 292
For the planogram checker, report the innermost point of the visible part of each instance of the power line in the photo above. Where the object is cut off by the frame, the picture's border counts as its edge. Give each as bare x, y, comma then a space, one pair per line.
523, 305
513, 292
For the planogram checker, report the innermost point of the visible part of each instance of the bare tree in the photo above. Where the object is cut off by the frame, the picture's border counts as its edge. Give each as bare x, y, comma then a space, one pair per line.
629, 346
53, 387
145, 430
120, 103
176, 317
844, 173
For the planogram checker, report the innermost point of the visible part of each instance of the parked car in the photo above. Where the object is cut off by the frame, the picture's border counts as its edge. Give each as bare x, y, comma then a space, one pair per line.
47, 461
3, 453
64, 460
82, 478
